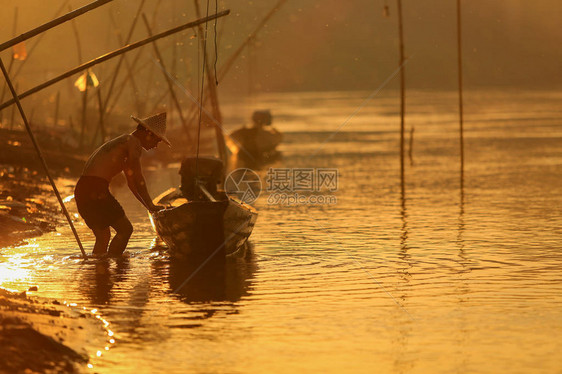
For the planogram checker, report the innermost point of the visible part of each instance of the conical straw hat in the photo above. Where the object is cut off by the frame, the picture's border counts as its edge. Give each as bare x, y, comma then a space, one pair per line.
156, 124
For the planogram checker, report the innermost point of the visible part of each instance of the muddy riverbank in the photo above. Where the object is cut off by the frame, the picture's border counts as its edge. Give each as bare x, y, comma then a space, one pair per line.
27, 205
43, 336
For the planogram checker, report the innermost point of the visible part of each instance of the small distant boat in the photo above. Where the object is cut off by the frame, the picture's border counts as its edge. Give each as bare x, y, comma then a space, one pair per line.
201, 220
259, 142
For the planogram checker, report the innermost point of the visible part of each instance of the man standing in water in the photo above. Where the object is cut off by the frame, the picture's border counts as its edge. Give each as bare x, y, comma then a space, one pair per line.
95, 203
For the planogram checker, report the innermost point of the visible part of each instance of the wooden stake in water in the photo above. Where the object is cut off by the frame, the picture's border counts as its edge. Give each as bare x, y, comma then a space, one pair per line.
28, 128
459, 49
402, 89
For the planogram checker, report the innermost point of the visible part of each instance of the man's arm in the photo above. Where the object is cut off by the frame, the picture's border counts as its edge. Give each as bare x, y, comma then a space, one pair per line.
135, 179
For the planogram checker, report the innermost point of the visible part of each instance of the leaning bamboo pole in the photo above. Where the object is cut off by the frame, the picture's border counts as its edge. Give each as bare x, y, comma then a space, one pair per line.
85, 92
128, 68
228, 64
13, 111
230, 61
12, 58
53, 23
38, 150
84, 115
120, 61
29, 53
168, 80
131, 68
56, 116
101, 119
115, 53
37, 42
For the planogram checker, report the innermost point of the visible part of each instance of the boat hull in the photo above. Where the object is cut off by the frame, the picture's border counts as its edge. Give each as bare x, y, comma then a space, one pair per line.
205, 228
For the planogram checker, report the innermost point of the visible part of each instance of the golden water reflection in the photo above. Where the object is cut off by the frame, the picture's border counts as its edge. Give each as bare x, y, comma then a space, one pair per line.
478, 274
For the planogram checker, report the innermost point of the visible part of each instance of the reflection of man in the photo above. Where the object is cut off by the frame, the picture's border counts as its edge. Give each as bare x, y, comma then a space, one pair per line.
95, 203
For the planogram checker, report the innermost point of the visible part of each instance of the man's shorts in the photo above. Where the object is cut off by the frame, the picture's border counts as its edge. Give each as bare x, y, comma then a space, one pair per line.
95, 203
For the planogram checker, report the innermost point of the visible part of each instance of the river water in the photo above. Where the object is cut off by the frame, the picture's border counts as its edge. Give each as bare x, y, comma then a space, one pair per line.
432, 278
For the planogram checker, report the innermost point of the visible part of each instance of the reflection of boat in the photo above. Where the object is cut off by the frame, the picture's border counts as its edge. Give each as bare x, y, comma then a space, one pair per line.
202, 220
215, 281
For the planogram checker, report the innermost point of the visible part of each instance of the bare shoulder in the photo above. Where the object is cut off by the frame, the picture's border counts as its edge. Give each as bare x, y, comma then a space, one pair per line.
134, 146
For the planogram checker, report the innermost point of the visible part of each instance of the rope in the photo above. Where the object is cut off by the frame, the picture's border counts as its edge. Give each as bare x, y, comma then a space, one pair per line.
201, 94
216, 47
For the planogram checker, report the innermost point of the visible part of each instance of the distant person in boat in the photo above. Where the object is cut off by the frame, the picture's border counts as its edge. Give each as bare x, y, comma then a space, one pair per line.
261, 118
258, 142
96, 205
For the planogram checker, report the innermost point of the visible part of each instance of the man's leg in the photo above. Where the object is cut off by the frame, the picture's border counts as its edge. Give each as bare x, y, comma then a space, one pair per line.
102, 240
124, 230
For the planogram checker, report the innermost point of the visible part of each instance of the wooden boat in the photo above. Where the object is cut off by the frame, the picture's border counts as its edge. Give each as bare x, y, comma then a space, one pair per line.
201, 220
258, 143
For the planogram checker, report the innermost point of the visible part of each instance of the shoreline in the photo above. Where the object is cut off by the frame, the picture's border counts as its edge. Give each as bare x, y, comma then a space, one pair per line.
44, 336
28, 207
36, 335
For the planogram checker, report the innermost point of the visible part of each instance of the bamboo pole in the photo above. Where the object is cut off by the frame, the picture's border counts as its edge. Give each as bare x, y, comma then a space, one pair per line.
459, 49
77, 38
168, 80
120, 61
130, 73
37, 42
251, 67
402, 89
128, 68
28, 128
158, 101
411, 146
115, 53
29, 53
228, 64
14, 31
13, 113
57, 101
132, 66
84, 114
211, 85
211, 81
85, 93
71, 124
101, 127
53, 23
